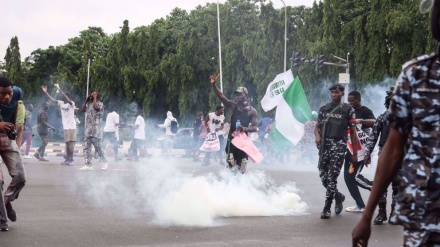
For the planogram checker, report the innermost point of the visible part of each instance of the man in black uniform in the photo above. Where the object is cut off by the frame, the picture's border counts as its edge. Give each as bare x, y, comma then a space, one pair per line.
382, 128
334, 119
353, 177
243, 113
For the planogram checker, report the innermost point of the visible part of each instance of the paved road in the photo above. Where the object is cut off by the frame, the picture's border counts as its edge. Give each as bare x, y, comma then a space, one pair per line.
157, 203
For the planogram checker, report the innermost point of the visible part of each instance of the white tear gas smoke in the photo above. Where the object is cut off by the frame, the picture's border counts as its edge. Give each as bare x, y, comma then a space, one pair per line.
178, 198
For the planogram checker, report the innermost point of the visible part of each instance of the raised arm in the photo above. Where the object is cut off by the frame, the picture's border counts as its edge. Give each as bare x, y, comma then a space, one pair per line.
219, 94
57, 86
44, 89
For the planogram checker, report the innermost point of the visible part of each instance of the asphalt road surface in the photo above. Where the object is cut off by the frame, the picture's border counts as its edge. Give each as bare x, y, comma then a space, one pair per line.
63, 206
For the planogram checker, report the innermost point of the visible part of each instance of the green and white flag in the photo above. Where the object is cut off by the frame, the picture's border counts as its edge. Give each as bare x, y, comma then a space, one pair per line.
293, 110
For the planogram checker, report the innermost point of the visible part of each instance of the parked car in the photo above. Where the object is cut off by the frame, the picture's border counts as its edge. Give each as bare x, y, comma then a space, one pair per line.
184, 138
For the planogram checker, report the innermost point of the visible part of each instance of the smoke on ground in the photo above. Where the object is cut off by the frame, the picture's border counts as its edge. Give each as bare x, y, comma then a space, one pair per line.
181, 198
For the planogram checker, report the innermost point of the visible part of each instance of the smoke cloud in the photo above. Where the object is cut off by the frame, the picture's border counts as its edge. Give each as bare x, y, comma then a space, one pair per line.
175, 197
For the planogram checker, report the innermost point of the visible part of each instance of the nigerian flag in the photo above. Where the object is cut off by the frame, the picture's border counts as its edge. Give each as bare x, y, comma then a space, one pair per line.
293, 110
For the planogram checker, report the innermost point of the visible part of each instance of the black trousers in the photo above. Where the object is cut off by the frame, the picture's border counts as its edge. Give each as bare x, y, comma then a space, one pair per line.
355, 180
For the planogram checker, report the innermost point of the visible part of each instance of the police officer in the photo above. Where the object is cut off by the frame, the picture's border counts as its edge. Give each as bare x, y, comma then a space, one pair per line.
334, 119
381, 130
413, 146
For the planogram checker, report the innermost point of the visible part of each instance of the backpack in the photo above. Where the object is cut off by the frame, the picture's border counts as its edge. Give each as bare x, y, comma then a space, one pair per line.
173, 126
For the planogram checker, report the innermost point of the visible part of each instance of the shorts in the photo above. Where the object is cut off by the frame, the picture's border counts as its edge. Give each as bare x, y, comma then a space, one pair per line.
70, 135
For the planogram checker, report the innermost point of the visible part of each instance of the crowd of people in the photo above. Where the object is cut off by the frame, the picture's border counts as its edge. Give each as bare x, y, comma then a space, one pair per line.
345, 135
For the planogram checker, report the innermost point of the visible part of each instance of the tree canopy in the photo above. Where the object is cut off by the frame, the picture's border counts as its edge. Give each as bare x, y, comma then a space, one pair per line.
166, 65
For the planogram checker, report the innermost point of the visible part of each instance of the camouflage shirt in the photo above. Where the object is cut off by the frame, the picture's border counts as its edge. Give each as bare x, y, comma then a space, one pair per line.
93, 120
414, 111
378, 129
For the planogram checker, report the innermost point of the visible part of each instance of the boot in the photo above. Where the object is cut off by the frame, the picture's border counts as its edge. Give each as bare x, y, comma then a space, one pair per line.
339, 199
382, 215
392, 212
326, 212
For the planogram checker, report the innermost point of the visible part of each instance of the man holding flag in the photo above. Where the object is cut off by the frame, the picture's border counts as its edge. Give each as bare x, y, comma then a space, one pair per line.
243, 119
334, 119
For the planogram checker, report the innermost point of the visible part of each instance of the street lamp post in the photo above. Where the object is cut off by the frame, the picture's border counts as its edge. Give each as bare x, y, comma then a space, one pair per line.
219, 47
87, 90
285, 34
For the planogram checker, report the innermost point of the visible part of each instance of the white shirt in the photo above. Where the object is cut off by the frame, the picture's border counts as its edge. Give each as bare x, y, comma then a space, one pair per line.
139, 132
215, 122
67, 115
111, 122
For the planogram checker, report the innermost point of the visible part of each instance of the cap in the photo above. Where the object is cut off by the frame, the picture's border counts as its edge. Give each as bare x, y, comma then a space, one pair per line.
241, 90
337, 86
390, 91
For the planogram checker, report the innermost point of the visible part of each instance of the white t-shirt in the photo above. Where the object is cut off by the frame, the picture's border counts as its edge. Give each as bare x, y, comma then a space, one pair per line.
111, 122
139, 133
215, 122
67, 115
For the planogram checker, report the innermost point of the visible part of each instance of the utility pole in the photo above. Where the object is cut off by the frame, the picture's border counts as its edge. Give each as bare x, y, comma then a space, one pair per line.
285, 36
344, 78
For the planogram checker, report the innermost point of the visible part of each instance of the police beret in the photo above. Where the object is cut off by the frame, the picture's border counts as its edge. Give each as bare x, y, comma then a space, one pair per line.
337, 86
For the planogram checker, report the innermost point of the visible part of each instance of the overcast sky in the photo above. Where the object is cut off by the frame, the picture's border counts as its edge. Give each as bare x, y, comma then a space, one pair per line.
42, 23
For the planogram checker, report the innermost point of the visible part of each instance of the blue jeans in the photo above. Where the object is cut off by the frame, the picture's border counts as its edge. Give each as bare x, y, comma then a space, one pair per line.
132, 151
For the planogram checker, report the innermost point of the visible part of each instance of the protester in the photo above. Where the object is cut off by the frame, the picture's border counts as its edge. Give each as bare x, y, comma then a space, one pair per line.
9, 96
139, 137
412, 146
67, 108
27, 134
308, 138
382, 128
111, 133
243, 114
94, 109
262, 127
334, 119
215, 122
43, 128
3, 220
353, 177
19, 124
170, 131
196, 132
201, 138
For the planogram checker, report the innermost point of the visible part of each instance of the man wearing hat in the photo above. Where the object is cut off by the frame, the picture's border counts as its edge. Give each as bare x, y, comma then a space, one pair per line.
242, 113
334, 119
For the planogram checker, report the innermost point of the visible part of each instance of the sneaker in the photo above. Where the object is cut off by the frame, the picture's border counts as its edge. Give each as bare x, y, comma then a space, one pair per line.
42, 159
68, 163
86, 168
354, 209
27, 156
10, 212
104, 166
37, 155
3, 226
